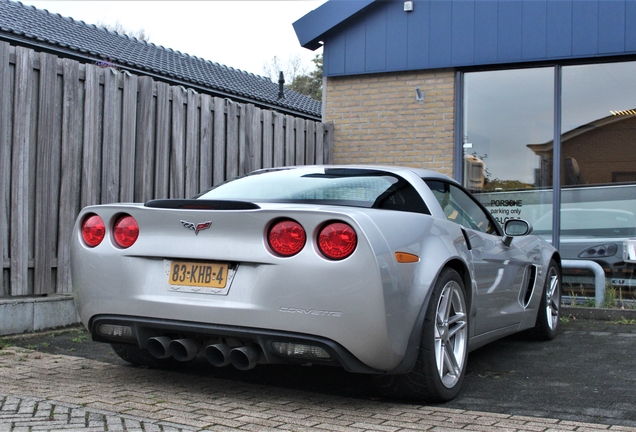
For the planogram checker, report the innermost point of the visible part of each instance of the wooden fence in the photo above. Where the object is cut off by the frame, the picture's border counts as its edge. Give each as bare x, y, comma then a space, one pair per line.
73, 135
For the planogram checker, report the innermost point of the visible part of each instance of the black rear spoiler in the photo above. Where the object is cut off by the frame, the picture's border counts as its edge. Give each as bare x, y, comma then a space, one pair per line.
198, 204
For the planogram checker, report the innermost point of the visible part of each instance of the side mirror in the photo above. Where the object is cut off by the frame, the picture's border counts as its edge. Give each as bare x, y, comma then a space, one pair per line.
515, 228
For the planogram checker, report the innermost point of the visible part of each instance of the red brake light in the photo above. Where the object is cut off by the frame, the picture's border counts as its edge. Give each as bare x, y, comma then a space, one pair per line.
286, 237
337, 240
126, 231
93, 230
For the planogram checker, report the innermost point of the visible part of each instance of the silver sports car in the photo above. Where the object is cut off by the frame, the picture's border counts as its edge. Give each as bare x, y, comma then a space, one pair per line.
396, 272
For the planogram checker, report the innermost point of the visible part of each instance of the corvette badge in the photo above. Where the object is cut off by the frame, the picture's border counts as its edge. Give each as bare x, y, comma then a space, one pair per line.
196, 227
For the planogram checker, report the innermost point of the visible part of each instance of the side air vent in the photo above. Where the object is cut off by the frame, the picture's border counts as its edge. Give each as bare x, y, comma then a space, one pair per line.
531, 279
197, 204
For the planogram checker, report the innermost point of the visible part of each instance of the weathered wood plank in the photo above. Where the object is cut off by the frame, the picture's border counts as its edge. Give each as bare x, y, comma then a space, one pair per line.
191, 169
246, 140
319, 142
71, 173
56, 175
245, 116
220, 132
128, 130
310, 142
300, 141
268, 139
111, 145
5, 160
162, 162
232, 141
144, 149
256, 140
47, 159
177, 151
91, 146
279, 139
328, 142
22, 146
290, 140
205, 140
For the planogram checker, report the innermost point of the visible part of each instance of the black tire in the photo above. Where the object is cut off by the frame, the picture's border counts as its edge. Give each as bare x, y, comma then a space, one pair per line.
140, 357
547, 325
443, 352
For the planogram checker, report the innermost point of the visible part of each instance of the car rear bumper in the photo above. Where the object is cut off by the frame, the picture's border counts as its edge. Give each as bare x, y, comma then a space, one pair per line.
202, 335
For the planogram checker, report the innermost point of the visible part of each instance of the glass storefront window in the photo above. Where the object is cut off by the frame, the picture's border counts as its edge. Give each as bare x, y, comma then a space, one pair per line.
505, 113
508, 142
598, 169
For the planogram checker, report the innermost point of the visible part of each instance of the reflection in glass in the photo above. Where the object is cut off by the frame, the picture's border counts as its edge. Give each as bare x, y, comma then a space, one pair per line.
599, 120
505, 113
508, 160
598, 172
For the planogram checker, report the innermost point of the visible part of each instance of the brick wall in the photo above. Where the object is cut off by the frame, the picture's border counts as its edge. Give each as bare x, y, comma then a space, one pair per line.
378, 121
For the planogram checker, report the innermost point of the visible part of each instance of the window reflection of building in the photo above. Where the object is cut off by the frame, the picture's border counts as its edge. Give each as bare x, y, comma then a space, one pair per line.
600, 152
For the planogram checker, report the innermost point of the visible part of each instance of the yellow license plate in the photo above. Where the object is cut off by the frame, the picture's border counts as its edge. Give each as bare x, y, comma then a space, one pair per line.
196, 274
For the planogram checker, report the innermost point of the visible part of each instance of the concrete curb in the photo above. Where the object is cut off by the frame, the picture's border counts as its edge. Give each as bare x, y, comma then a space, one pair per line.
27, 314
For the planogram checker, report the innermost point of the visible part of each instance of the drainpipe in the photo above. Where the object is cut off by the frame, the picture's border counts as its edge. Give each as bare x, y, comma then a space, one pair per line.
599, 276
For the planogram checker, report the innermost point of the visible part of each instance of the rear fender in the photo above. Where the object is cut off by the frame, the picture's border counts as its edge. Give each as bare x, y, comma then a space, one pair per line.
457, 260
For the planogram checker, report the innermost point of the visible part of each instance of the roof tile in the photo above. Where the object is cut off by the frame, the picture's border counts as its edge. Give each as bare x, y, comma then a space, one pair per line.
69, 36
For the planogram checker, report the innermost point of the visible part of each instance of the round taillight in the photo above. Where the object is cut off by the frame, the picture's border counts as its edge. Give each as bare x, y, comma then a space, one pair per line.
337, 240
93, 230
286, 237
126, 231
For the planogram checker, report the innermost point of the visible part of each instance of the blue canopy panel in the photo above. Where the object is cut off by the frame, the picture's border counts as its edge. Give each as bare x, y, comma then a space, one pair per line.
372, 36
310, 28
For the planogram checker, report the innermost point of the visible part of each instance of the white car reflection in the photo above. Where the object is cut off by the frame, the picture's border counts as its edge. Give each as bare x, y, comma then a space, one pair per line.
594, 234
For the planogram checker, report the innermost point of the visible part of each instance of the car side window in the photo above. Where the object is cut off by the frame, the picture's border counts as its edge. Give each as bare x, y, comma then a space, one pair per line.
460, 208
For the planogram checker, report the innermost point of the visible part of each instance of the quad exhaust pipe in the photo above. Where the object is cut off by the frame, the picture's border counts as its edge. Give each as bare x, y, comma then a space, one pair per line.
219, 355
244, 358
159, 347
184, 349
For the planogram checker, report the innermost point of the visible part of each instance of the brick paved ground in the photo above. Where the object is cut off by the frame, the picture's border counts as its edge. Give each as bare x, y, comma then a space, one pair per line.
41, 392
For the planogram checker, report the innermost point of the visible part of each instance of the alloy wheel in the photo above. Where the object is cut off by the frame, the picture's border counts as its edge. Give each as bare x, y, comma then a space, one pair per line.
451, 334
553, 298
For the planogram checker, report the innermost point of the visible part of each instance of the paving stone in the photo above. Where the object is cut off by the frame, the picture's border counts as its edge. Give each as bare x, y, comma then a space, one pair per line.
53, 392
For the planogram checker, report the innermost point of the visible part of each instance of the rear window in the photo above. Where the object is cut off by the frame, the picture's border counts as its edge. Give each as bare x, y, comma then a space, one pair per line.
335, 186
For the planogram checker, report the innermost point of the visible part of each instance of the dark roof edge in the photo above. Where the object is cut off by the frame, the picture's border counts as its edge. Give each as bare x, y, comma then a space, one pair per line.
311, 27
169, 80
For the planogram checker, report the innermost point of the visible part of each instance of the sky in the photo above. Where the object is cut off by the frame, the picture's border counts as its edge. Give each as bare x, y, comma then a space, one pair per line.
240, 34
